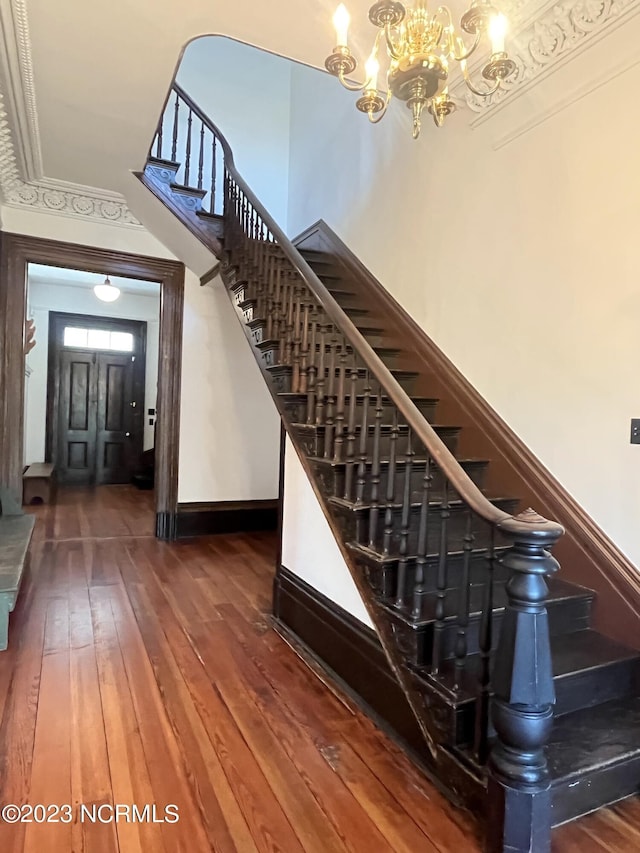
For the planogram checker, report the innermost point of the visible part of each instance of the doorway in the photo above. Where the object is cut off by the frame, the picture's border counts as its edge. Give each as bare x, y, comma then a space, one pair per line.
17, 251
95, 398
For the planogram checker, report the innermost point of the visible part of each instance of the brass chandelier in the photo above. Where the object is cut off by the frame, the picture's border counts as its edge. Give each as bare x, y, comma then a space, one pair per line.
420, 45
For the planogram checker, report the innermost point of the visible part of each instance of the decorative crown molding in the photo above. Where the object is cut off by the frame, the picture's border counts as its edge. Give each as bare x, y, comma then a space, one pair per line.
544, 37
22, 182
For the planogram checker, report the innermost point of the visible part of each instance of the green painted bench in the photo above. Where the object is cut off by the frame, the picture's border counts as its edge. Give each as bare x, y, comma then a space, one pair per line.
16, 530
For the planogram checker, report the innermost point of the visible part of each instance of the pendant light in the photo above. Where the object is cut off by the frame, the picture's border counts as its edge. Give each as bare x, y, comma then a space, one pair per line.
107, 292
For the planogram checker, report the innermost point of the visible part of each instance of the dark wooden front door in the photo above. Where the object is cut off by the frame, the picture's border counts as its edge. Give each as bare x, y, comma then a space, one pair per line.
95, 430
96, 403
114, 439
77, 417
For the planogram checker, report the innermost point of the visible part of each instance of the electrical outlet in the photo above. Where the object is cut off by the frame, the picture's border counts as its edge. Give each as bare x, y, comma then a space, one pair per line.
635, 430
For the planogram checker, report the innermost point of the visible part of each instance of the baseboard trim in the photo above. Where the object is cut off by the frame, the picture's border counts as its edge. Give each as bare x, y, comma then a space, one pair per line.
351, 653
204, 519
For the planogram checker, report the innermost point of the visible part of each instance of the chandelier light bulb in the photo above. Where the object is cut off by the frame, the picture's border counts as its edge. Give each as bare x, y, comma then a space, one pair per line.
372, 69
107, 292
497, 31
341, 21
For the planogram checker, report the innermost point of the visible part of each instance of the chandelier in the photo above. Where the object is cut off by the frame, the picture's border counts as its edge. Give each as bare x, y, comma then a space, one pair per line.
420, 45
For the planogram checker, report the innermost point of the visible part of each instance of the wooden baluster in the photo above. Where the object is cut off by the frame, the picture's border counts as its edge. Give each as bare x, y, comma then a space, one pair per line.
405, 523
441, 583
390, 492
363, 456
464, 594
271, 295
304, 345
296, 339
485, 643
201, 157
338, 440
276, 331
331, 398
312, 370
321, 380
212, 207
351, 431
159, 139
287, 351
423, 543
374, 511
187, 166
174, 143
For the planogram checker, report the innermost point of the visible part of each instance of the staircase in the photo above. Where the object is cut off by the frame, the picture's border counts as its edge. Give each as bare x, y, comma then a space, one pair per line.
529, 715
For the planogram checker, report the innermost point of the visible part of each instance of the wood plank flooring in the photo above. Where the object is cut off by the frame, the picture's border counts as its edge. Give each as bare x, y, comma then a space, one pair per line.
140, 672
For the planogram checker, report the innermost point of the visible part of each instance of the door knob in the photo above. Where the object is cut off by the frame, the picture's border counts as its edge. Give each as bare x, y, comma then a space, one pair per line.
133, 405
128, 434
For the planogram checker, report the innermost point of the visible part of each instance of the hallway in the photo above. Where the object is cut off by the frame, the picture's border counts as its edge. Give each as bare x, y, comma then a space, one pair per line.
140, 672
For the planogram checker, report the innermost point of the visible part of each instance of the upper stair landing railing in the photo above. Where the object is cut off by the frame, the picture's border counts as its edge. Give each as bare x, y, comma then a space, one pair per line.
402, 496
186, 136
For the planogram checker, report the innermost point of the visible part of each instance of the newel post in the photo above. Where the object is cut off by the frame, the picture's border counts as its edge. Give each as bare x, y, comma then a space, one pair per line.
519, 819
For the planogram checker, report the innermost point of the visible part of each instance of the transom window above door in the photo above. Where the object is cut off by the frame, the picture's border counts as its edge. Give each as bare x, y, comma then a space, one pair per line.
98, 339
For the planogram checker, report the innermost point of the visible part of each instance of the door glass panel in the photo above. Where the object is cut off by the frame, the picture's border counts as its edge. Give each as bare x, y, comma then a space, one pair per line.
121, 341
75, 337
98, 339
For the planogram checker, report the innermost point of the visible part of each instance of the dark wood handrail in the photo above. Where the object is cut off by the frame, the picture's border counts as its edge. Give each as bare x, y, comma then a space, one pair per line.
465, 487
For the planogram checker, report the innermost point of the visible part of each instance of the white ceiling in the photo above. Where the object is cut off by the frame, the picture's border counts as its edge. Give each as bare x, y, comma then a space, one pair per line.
101, 73
43, 274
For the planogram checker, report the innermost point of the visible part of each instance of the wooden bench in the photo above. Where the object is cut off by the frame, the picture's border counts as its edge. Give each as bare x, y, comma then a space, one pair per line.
38, 482
16, 530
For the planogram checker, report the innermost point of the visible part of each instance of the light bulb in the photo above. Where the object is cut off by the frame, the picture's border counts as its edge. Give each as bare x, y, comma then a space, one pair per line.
372, 68
497, 31
341, 21
107, 292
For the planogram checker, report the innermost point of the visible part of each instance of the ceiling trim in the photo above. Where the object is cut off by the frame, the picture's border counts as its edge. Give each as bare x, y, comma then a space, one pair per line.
545, 36
22, 180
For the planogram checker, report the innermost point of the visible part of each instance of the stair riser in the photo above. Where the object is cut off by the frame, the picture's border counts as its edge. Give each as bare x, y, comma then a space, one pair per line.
335, 481
297, 410
355, 526
313, 442
416, 644
595, 686
595, 790
282, 382
383, 580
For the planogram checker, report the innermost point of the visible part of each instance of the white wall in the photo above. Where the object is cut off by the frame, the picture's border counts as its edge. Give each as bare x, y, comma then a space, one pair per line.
229, 427
246, 93
309, 549
43, 298
520, 262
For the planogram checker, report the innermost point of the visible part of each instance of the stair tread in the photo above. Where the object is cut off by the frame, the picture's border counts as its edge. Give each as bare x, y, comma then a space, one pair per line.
299, 396
453, 503
571, 654
384, 428
591, 739
558, 591
418, 461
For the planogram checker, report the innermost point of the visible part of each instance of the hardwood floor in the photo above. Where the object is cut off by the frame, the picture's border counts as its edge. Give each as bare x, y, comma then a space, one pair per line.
140, 672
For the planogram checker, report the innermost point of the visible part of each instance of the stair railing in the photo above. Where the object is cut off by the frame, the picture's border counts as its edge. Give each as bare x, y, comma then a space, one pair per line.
345, 391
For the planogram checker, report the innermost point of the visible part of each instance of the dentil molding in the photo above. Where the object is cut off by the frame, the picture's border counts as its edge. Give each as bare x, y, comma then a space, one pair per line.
22, 182
544, 36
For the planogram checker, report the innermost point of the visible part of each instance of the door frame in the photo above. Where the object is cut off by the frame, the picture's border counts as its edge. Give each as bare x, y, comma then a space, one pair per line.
57, 322
16, 252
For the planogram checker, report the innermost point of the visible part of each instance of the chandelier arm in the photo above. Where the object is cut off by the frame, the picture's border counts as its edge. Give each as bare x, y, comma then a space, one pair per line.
351, 87
470, 51
467, 79
382, 112
391, 48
